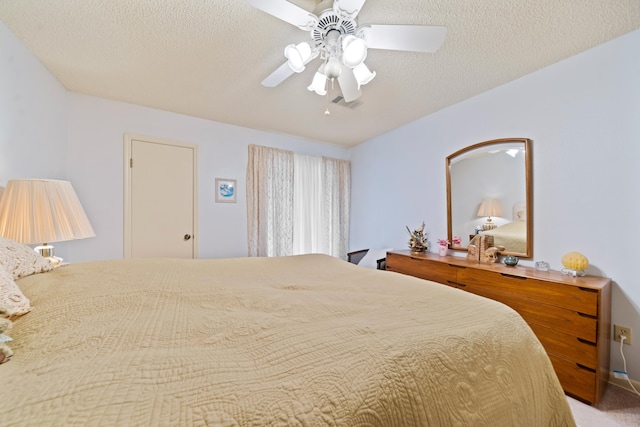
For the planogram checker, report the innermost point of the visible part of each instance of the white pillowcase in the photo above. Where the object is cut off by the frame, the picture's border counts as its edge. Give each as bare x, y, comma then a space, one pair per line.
370, 260
11, 296
20, 260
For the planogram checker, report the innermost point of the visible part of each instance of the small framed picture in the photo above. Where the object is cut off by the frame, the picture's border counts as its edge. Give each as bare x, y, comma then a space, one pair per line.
225, 190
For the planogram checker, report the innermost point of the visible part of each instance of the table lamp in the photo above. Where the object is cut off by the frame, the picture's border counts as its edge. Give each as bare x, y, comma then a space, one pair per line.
489, 208
42, 211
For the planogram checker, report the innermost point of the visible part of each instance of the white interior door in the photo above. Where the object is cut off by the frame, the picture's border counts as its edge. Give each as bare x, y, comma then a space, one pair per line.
161, 217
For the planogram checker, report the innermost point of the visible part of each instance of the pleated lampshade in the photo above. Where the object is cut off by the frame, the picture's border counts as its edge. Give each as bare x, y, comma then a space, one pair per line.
34, 211
489, 207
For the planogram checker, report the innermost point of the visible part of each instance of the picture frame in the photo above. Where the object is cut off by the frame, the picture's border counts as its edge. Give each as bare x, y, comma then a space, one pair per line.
226, 191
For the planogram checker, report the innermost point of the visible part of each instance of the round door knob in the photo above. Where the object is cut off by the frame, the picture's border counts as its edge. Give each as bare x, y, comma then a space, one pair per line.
187, 236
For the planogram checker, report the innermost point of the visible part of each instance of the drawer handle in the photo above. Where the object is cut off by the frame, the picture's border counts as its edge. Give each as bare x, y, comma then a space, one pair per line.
462, 285
595, 291
583, 341
590, 316
456, 266
586, 368
513, 277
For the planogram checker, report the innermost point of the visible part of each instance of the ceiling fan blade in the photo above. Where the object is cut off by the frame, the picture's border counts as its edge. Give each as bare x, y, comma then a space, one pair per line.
281, 73
348, 7
286, 11
414, 38
348, 84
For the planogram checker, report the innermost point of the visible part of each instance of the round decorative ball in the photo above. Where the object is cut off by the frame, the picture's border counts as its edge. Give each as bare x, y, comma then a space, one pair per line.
332, 69
575, 261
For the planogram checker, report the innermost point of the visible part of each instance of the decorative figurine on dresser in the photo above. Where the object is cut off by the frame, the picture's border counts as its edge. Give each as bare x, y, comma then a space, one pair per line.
485, 251
418, 239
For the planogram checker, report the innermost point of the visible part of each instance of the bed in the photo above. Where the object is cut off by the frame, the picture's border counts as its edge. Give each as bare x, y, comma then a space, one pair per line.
307, 340
512, 235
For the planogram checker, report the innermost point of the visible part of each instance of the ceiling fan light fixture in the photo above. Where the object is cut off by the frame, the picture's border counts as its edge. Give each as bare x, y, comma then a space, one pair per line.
363, 74
332, 68
297, 56
354, 51
319, 83
339, 40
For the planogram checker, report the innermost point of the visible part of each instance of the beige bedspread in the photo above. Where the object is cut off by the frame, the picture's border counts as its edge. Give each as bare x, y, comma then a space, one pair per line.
513, 236
299, 341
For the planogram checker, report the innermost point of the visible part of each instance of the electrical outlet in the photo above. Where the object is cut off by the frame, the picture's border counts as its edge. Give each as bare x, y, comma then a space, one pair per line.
622, 330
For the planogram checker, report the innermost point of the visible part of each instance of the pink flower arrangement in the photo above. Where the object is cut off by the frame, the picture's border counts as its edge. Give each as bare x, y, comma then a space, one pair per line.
456, 241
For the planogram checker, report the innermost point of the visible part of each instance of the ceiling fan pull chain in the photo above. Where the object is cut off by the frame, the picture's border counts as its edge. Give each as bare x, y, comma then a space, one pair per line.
326, 111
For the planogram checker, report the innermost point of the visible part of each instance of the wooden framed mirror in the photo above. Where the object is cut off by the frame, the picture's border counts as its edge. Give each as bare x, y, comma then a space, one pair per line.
489, 191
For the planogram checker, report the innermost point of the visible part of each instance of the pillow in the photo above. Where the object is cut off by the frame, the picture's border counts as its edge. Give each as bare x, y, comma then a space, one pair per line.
370, 260
20, 260
11, 296
519, 211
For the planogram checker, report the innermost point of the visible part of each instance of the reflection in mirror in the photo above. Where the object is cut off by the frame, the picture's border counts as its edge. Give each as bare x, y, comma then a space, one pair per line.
489, 192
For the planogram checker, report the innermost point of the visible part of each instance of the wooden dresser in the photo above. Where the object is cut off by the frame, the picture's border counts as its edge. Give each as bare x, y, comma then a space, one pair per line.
571, 316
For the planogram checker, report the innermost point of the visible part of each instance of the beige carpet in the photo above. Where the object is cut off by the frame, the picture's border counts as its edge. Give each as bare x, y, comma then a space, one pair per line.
618, 408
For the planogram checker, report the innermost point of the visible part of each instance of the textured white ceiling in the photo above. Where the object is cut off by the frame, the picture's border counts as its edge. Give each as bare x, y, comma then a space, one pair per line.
206, 58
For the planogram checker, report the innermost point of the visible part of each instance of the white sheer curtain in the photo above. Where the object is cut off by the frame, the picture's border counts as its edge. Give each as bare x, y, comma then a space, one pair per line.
269, 201
308, 218
337, 196
297, 204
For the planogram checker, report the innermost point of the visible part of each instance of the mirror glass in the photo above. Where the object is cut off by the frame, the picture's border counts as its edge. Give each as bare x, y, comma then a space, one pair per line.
489, 191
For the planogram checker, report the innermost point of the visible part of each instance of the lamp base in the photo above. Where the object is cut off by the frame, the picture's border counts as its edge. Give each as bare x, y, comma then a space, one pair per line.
489, 225
46, 251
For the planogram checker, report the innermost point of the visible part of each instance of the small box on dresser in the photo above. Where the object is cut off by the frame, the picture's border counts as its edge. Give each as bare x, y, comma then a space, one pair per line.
571, 316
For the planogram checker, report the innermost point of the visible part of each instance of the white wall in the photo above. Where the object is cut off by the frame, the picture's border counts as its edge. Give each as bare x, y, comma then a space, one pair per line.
47, 132
33, 110
583, 115
32, 115
96, 168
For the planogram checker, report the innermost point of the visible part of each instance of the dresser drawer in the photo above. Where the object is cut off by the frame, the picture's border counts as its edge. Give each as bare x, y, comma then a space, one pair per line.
424, 269
571, 322
570, 297
567, 346
577, 381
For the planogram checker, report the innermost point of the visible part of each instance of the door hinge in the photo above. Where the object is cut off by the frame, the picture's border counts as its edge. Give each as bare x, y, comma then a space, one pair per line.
131, 162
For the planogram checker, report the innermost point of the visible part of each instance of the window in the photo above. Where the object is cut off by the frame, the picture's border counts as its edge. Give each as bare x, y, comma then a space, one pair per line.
296, 204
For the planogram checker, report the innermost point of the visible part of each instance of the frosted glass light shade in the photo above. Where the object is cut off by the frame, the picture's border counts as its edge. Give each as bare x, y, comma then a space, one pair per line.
354, 51
42, 211
298, 56
319, 83
363, 74
332, 68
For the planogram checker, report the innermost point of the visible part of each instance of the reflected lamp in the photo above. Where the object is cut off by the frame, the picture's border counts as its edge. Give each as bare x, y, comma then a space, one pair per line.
489, 208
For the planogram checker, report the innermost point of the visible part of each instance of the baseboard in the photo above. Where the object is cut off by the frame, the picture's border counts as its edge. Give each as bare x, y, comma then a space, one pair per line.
623, 383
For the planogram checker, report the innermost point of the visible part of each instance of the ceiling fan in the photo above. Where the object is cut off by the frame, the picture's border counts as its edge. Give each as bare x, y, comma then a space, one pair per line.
341, 44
